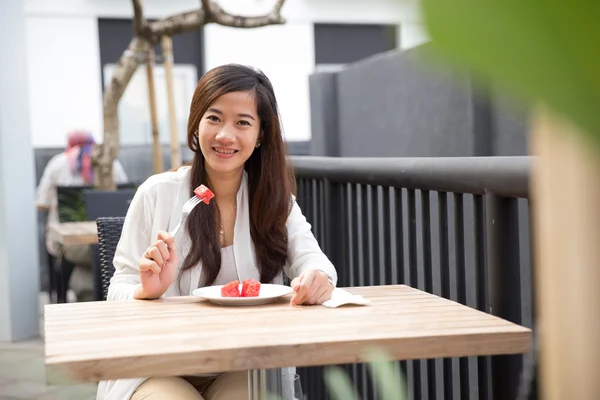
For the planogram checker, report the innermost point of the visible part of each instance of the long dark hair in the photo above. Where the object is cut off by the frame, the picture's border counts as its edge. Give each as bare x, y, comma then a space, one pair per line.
270, 177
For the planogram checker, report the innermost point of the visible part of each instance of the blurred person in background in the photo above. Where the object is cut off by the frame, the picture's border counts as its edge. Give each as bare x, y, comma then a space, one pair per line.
73, 167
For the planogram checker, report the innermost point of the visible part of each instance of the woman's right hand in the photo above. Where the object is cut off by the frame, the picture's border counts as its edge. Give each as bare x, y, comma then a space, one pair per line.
158, 267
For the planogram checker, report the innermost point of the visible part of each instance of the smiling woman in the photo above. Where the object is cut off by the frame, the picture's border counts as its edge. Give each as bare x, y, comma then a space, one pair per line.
233, 112
252, 229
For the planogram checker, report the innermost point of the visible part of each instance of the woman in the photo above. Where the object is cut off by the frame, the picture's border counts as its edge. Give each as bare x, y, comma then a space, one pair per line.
253, 228
73, 167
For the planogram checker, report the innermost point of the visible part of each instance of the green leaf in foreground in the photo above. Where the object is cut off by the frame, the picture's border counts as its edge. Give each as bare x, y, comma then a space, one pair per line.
387, 378
339, 385
545, 51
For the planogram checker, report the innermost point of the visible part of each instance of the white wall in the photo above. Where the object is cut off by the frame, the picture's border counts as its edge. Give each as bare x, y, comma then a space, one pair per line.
19, 270
65, 83
64, 77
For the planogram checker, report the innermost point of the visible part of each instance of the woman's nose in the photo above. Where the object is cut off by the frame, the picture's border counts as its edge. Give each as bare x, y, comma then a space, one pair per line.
225, 134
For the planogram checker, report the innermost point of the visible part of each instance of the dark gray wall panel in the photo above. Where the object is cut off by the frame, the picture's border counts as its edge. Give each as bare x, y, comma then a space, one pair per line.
346, 43
406, 104
510, 125
324, 118
392, 105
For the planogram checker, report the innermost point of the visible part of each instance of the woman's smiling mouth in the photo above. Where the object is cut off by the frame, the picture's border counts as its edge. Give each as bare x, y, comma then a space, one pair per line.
224, 152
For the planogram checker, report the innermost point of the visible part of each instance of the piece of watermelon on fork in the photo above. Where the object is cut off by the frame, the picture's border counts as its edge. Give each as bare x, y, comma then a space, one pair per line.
204, 194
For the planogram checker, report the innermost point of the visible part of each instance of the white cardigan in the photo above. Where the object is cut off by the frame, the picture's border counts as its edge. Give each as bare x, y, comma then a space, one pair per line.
157, 206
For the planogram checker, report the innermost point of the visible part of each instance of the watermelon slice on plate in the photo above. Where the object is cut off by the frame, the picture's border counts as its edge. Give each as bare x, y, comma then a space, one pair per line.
232, 289
250, 288
204, 194
255, 293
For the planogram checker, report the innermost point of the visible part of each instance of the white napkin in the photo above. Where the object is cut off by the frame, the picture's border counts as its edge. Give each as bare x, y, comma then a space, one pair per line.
339, 297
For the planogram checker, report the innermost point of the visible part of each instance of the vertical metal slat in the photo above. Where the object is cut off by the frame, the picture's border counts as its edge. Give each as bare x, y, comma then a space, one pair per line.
353, 256
365, 270
351, 244
398, 225
505, 285
483, 363
372, 255
321, 221
397, 254
361, 378
413, 280
384, 234
445, 278
428, 272
459, 252
314, 206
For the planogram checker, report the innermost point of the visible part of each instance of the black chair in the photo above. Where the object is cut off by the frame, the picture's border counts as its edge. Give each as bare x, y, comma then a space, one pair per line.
107, 203
99, 204
109, 233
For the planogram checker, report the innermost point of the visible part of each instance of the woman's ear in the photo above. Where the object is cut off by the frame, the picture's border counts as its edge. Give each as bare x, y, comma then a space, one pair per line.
259, 140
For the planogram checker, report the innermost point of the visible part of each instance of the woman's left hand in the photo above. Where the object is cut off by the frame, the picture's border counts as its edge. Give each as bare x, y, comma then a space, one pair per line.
312, 287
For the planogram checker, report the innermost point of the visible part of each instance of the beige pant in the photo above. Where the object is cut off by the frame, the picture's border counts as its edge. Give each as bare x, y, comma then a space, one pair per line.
82, 281
229, 386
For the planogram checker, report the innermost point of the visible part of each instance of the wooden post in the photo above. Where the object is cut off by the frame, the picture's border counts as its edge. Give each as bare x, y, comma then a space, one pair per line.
566, 204
167, 51
156, 147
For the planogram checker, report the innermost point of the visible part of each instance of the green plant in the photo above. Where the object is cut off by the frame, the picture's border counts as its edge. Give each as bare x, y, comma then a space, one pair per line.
71, 206
387, 378
544, 51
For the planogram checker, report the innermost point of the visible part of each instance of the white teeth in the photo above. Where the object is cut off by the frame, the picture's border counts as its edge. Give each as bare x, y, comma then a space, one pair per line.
222, 151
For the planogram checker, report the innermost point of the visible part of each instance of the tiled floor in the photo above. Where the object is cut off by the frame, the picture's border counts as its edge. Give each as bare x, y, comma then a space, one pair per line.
22, 373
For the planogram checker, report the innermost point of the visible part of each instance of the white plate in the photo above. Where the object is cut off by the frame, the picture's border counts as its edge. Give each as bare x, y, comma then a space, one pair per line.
268, 294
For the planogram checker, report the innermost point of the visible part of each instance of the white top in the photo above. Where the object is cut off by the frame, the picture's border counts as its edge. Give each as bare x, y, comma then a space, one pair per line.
157, 206
58, 173
228, 272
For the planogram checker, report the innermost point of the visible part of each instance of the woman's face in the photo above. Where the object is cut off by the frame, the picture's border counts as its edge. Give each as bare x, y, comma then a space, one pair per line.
228, 132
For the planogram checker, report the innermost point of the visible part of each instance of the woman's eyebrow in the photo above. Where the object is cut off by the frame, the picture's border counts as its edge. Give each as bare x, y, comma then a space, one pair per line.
246, 115
217, 111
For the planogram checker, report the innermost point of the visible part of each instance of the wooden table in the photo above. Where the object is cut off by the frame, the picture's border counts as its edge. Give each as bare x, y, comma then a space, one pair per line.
73, 233
185, 335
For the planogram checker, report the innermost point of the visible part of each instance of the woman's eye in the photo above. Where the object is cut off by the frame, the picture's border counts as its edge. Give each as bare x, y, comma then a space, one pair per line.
213, 118
246, 123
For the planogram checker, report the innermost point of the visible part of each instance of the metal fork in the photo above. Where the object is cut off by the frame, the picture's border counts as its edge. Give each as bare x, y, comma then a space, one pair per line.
185, 211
